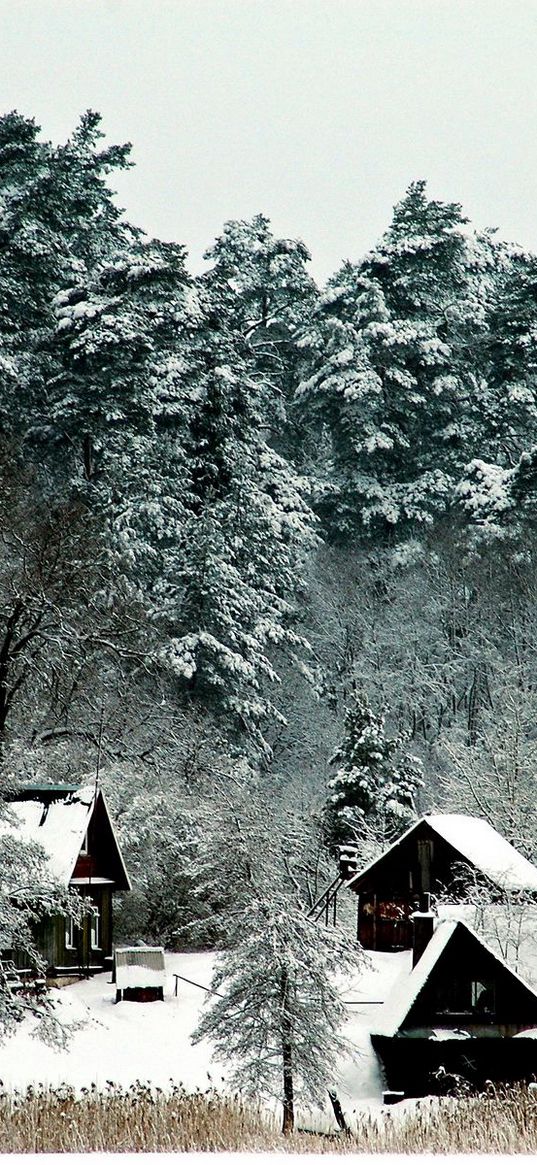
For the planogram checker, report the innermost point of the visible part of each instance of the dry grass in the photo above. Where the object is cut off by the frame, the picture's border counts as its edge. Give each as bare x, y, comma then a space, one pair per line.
146, 1119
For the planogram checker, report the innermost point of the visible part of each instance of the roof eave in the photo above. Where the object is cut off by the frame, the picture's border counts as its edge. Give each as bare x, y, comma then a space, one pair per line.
356, 878
127, 885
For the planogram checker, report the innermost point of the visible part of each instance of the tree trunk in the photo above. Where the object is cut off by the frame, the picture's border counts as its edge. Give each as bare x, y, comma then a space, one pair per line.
87, 456
287, 1057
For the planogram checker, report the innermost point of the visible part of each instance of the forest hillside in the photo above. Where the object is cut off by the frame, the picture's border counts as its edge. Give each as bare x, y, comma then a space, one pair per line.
267, 549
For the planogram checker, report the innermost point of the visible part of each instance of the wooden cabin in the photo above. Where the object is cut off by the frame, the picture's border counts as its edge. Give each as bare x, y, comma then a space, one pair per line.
74, 828
431, 857
456, 1013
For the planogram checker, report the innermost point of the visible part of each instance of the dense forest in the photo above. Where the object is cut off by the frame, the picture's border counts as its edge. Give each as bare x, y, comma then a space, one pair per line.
267, 549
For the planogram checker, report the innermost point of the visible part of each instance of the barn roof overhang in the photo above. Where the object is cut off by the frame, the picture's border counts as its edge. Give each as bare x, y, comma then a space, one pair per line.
474, 841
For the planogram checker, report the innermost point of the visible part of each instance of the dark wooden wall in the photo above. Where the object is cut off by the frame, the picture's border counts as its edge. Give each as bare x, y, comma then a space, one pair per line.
419, 1067
391, 890
514, 1006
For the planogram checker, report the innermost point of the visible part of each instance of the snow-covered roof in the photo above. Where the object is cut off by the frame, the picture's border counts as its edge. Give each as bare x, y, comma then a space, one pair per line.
57, 818
139, 967
485, 849
407, 988
478, 843
409, 985
59, 827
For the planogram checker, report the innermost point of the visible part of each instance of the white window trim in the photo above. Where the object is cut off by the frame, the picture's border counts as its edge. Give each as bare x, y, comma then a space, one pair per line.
95, 930
70, 943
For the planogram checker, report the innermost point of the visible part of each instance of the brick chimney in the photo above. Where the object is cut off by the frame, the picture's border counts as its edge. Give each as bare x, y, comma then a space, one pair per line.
348, 862
422, 927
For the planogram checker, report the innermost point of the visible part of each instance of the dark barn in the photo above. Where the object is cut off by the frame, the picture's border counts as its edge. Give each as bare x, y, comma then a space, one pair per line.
456, 1013
430, 858
74, 828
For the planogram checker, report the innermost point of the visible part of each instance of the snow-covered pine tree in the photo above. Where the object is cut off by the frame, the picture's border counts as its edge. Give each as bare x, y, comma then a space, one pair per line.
247, 530
390, 367
376, 782
505, 415
268, 294
152, 405
57, 217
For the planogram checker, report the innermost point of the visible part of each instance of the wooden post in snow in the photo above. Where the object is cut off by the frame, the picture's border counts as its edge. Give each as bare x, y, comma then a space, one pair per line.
338, 1112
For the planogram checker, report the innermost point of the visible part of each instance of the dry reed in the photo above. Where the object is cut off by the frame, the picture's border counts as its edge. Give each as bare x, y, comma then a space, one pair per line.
148, 1119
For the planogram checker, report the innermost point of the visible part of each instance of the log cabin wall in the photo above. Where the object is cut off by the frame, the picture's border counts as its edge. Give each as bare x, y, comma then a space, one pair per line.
73, 951
85, 953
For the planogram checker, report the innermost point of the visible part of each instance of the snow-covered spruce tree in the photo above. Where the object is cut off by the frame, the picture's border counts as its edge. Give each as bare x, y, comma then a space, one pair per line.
391, 361
376, 781
280, 1014
258, 865
247, 530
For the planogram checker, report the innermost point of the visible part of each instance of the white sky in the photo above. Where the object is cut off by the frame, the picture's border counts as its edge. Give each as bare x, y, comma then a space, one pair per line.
316, 112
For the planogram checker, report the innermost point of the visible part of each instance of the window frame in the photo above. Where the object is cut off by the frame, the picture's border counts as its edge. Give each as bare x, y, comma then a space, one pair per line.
70, 933
96, 929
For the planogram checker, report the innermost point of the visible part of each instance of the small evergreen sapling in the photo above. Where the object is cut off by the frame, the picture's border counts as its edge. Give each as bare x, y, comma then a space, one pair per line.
376, 781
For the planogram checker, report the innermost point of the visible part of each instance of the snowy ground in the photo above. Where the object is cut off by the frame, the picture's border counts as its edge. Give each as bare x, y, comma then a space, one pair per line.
152, 1041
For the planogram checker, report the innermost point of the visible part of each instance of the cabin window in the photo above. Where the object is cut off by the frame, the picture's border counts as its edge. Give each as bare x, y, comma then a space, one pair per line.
483, 996
470, 997
84, 848
70, 934
454, 997
96, 930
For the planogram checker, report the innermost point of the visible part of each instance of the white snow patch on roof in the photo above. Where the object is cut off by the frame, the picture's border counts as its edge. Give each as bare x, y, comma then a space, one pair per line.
59, 828
408, 986
485, 849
